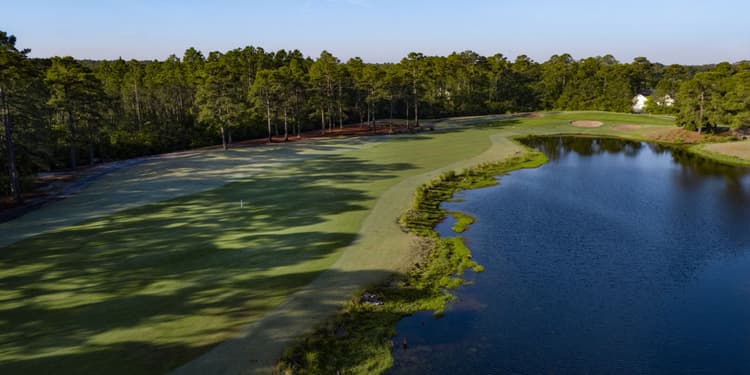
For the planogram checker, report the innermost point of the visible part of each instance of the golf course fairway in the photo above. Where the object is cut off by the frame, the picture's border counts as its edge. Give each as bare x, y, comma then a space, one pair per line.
159, 267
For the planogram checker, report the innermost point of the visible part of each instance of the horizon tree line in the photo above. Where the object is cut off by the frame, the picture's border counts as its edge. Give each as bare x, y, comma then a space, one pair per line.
60, 112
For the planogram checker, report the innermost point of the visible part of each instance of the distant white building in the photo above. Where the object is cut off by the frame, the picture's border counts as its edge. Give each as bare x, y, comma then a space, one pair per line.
640, 101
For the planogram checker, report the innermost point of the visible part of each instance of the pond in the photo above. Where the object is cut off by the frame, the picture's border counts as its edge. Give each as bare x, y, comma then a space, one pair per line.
615, 257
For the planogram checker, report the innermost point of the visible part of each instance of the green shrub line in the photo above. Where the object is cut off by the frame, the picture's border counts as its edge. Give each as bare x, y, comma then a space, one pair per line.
358, 340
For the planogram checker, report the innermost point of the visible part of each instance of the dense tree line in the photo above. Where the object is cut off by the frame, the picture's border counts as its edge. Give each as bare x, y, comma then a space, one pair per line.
60, 112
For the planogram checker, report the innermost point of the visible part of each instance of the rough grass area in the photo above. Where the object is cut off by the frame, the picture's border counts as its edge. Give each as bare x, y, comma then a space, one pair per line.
736, 153
462, 221
358, 339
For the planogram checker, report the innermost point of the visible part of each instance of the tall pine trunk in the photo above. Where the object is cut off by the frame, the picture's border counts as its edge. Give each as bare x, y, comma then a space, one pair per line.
286, 129
296, 120
341, 117
73, 153
341, 108
223, 130
330, 118
268, 118
91, 152
275, 126
361, 112
407, 113
369, 116
416, 106
700, 117
10, 149
223, 137
137, 106
390, 119
322, 121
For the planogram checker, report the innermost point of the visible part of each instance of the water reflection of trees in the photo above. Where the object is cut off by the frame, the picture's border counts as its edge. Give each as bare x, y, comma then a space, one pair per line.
557, 148
693, 171
698, 228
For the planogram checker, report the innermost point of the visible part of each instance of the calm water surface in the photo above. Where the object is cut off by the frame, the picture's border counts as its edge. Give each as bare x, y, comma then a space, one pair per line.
615, 257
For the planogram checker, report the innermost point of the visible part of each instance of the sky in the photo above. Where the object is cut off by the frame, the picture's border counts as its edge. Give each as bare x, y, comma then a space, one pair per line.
665, 31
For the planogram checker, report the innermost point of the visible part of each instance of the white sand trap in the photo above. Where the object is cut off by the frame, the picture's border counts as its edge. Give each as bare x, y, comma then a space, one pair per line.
586, 123
627, 127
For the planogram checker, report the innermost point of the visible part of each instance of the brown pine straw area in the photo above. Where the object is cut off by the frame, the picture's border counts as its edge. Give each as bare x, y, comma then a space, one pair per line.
676, 136
586, 123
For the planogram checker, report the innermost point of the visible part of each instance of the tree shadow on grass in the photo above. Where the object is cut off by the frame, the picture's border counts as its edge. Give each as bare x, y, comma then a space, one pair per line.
171, 279
136, 355
152, 287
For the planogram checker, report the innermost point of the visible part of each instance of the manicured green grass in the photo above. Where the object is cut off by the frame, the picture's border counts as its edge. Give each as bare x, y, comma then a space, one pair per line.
149, 288
145, 289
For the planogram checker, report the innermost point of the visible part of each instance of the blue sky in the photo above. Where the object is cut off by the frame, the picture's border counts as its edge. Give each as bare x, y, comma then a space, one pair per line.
666, 31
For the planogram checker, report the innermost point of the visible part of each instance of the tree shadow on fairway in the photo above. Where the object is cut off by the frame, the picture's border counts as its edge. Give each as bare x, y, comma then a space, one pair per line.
152, 287
140, 355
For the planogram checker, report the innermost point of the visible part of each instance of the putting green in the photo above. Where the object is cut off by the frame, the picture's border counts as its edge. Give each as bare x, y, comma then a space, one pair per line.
121, 279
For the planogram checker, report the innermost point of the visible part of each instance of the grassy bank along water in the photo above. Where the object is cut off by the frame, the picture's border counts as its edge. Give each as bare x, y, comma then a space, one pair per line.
358, 340
732, 153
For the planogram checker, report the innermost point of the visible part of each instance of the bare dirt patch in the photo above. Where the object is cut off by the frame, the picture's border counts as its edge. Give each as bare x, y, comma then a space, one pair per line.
627, 127
586, 123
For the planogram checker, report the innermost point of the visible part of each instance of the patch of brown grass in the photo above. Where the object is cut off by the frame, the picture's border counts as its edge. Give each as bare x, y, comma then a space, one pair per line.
676, 136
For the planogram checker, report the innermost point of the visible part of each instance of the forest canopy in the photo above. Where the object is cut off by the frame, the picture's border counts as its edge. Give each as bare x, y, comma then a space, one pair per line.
61, 112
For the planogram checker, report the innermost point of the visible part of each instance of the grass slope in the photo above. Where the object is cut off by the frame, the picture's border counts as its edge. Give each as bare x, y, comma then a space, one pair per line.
737, 153
148, 288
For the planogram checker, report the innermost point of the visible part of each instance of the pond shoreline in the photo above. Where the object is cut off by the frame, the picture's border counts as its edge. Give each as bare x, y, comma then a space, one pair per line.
371, 343
460, 333
358, 339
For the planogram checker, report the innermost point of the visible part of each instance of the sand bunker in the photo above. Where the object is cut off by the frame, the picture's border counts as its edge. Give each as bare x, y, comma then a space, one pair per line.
626, 127
586, 124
